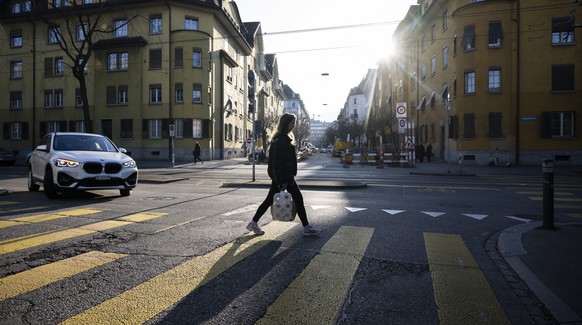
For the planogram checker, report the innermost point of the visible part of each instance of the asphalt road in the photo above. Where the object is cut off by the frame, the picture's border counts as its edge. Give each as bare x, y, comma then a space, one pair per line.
407, 248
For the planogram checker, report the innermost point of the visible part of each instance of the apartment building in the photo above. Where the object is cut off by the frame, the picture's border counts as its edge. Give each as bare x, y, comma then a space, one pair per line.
160, 75
483, 78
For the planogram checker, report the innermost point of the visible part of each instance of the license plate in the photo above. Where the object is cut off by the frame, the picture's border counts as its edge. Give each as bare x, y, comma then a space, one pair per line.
102, 178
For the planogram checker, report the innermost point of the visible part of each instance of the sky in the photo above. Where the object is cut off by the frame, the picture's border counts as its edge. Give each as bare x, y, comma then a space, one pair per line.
340, 38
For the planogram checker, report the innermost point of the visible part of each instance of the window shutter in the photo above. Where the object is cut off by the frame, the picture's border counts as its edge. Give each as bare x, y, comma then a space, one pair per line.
6, 131
111, 95
48, 67
546, 126
166, 128
24, 131
188, 133
145, 126
206, 129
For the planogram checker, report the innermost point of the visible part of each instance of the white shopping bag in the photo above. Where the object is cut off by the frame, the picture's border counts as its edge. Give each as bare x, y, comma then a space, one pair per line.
283, 208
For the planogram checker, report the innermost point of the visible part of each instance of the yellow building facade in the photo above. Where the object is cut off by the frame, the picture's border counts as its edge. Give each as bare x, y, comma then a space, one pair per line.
489, 78
162, 75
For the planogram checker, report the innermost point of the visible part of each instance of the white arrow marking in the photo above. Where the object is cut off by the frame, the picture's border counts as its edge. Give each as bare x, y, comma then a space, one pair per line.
317, 207
518, 219
476, 216
356, 209
393, 212
433, 214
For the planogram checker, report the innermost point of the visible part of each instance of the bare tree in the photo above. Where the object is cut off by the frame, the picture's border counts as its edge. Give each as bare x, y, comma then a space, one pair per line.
76, 27
268, 123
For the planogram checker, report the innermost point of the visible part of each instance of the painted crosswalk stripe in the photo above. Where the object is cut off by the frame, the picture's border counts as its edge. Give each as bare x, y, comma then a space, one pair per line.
46, 217
318, 292
38, 277
462, 294
137, 305
16, 244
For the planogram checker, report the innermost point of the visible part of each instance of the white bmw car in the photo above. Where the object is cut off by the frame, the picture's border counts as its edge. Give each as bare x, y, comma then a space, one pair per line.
66, 161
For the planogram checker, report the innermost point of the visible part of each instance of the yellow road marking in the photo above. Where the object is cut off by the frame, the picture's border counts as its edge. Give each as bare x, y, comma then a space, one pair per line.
137, 305
16, 244
316, 295
23, 282
462, 294
46, 217
38, 207
7, 202
541, 193
575, 215
556, 199
567, 206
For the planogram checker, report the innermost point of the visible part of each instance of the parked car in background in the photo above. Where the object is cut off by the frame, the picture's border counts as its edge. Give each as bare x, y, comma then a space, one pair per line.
67, 161
7, 157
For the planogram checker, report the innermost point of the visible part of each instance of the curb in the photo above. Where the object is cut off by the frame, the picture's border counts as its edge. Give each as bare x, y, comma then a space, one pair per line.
302, 184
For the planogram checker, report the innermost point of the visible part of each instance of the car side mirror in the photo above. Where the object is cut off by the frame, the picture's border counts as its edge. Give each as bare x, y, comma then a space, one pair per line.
41, 147
122, 150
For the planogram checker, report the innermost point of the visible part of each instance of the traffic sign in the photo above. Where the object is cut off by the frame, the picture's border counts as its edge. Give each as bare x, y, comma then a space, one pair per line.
400, 110
249, 140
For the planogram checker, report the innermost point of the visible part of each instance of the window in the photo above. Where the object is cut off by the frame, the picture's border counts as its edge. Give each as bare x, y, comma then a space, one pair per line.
191, 23
155, 94
21, 6
106, 128
155, 24
432, 33
58, 3
196, 58
58, 98
54, 67
16, 69
423, 73
16, 131
120, 27
423, 43
48, 98
495, 34
15, 99
77, 126
196, 129
433, 65
126, 128
495, 125
413, 81
563, 77
455, 45
445, 20
122, 95
445, 61
78, 98
494, 79
117, 61
59, 66
562, 30
155, 58
54, 34
178, 57
179, 128
179, 93
81, 31
16, 38
558, 124
469, 38
155, 129
469, 126
470, 82
197, 93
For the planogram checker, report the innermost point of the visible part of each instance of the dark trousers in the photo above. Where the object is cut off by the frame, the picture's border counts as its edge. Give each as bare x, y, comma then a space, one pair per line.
197, 158
295, 192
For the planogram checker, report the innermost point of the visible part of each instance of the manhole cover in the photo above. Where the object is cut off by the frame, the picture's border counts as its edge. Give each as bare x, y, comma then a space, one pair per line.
160, 198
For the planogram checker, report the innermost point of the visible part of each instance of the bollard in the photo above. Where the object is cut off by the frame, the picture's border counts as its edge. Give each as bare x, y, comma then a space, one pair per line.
548, 181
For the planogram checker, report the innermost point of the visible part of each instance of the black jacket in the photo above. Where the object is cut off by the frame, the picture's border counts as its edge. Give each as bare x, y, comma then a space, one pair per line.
282, 160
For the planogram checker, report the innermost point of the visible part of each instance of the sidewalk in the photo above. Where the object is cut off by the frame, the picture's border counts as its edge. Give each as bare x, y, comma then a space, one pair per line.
547, 261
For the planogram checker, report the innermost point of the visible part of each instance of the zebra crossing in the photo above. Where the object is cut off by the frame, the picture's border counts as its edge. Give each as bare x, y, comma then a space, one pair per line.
461, 292
567, 191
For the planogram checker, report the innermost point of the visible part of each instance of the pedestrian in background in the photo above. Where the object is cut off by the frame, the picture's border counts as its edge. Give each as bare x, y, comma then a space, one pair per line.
428, 152
420, 153
282, 170
196, 153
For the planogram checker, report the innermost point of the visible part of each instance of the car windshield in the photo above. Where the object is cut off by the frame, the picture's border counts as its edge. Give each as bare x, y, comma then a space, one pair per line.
82, 143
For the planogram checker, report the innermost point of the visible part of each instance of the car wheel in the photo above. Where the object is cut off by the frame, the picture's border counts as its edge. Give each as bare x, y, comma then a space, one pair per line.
50, 189
31, 185
125, 192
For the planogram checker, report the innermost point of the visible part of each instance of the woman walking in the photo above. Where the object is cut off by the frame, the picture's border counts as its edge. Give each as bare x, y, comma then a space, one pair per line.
282, 170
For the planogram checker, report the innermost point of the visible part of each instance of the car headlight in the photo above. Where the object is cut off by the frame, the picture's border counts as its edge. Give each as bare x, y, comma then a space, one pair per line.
129, 164
66, 163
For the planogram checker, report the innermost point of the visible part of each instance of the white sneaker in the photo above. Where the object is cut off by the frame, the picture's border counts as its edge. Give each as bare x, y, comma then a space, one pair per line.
311, 231
254, 227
